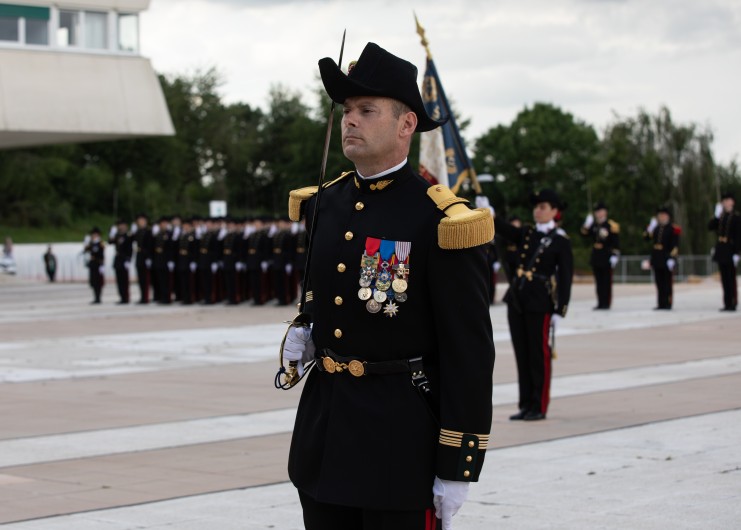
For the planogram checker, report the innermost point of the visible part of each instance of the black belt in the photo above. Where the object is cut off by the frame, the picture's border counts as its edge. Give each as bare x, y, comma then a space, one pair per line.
328, 361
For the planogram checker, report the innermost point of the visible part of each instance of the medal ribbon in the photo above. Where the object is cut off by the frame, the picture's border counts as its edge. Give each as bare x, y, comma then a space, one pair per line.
372, 244
387, 249
402, 250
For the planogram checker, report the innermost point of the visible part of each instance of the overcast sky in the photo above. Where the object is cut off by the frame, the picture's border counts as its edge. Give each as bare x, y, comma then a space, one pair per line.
592, 58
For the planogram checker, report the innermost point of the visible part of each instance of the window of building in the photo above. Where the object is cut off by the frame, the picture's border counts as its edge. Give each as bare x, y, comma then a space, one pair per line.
68, 33
17, 21
128, 33
9, 29
96, 30
37, 32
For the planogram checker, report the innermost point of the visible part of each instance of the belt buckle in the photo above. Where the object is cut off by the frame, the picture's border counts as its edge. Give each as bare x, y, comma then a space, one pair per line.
355, 367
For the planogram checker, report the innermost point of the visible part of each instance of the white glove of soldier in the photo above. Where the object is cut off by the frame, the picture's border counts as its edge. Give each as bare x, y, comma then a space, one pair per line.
448, 497
735, 260
134, 228
652, 225
101, 270
589, 221
614, 260
299, 347
556, 320
127, 264
289, 268
86, 240
113, 231
240, 266
671, 263
214, 268
148, 263
193, 266
170, 266
718, 210
155, 230
264, 266
496, 266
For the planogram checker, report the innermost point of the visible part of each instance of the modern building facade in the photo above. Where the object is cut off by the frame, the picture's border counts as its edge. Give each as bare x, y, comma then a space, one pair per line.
71, 71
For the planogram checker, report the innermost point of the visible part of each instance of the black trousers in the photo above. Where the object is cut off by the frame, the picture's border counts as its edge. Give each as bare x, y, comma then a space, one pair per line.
162, 293
529, 332
122, 282
230, 285
142, 273
322, 516
663, 279
603, 286
730, 290
96, 281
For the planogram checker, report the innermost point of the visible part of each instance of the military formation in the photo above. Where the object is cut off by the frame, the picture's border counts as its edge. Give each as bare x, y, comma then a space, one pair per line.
197, 260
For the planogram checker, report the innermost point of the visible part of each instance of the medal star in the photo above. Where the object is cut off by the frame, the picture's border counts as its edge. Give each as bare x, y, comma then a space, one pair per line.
391, 309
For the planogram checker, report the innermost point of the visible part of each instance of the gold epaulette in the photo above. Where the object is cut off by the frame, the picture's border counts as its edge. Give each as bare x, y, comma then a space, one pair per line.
461, 227
615, 227
296, 198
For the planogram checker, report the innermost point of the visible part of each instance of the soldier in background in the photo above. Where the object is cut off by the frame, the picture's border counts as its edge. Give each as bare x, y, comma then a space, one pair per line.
95, 251
144, 246
492, 259
605, 238
163, 262
299, 260
207, 260
230, 256
176, 229
124, 243
283, 248
664, 236
186, 262
258, 247
50, 264
727, 224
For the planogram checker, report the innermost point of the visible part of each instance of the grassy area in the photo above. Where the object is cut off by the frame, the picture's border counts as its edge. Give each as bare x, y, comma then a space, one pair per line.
55, 234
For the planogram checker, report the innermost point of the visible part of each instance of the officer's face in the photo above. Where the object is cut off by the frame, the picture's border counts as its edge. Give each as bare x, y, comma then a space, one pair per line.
600, 215
728, 204
544, 212
662, 218
372, 134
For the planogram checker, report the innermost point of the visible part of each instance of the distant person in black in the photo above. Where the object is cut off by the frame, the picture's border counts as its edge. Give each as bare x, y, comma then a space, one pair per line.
95, 251
163, 261
727, 224
665, 238
604, 236
143, 238
534, 304
124, 243
50, 264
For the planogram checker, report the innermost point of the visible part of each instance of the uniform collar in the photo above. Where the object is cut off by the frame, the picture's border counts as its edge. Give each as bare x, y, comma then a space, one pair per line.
384, 180
545, 227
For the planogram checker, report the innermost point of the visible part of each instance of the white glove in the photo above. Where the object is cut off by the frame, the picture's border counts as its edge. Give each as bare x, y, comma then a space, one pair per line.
170, 266
589, 221
614, 260
652, 225
193, 266
240, 266
101, 270
735, 260
148, 263
264, 266
134, 228
670, 263
299, 347
718, 210
496, 266
86, 240
556, 320
127, 264
214, 268
289, 268
448, 497
113, 231
155, 230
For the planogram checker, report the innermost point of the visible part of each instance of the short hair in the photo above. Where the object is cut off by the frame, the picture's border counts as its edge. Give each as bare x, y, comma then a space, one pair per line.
399, 108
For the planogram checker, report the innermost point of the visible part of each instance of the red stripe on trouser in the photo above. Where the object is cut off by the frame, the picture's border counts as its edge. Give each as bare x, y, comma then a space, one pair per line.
430, 519
545, 395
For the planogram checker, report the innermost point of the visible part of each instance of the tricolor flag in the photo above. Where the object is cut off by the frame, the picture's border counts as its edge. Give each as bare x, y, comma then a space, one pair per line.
442, 154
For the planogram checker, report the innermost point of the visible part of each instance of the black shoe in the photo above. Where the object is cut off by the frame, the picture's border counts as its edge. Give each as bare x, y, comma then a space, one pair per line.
600, 308
122, 302
534, 416
728, 309
142, 302
519, 416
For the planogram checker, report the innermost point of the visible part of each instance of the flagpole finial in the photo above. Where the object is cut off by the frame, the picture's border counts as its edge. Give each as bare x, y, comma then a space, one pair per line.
421, 33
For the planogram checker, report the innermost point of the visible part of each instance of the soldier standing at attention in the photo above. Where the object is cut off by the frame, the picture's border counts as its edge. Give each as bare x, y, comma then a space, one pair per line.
605, 238
229, 252
543, 252
283, 246
50, 264
727, 224
144, 241
186, 262
398, 282
119, 236
164, 261
95, 250
665, 238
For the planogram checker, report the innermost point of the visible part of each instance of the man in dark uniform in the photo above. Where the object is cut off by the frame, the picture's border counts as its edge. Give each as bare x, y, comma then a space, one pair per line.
665, 238
727, 224
398, 279
50, 264
144, 247
207, 260
544, 252
603, 233
186, 262
283, 249
124, 243
230, 253
164, 261
95, 250
258, 246
299, 260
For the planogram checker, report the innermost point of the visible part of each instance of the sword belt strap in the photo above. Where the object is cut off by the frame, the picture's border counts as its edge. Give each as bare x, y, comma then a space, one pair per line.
332, 363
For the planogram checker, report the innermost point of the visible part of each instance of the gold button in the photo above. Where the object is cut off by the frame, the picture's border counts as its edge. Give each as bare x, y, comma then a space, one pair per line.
341, 267
338, 300
338, 333
466, 473
523, 255
439, 188
526, 246
359, 206
348, 235
469, 458
471, 444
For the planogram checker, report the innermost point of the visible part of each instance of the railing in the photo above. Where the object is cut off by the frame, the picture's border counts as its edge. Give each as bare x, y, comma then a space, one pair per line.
631, 269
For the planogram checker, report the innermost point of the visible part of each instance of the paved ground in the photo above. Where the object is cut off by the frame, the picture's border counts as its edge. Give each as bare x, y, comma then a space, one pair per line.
165, 417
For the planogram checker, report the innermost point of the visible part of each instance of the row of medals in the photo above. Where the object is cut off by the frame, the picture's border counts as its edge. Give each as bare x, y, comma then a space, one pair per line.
390, 285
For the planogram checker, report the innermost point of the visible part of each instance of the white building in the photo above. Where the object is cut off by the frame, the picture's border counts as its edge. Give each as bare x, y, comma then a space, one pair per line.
70, 71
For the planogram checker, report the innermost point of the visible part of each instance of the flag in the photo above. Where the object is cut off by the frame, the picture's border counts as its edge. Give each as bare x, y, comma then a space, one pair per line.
442, 153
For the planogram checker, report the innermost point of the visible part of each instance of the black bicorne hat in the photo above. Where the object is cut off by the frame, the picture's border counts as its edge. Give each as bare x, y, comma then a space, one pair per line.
381, 74
546, 195
727, 195
664, 209
599, 206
